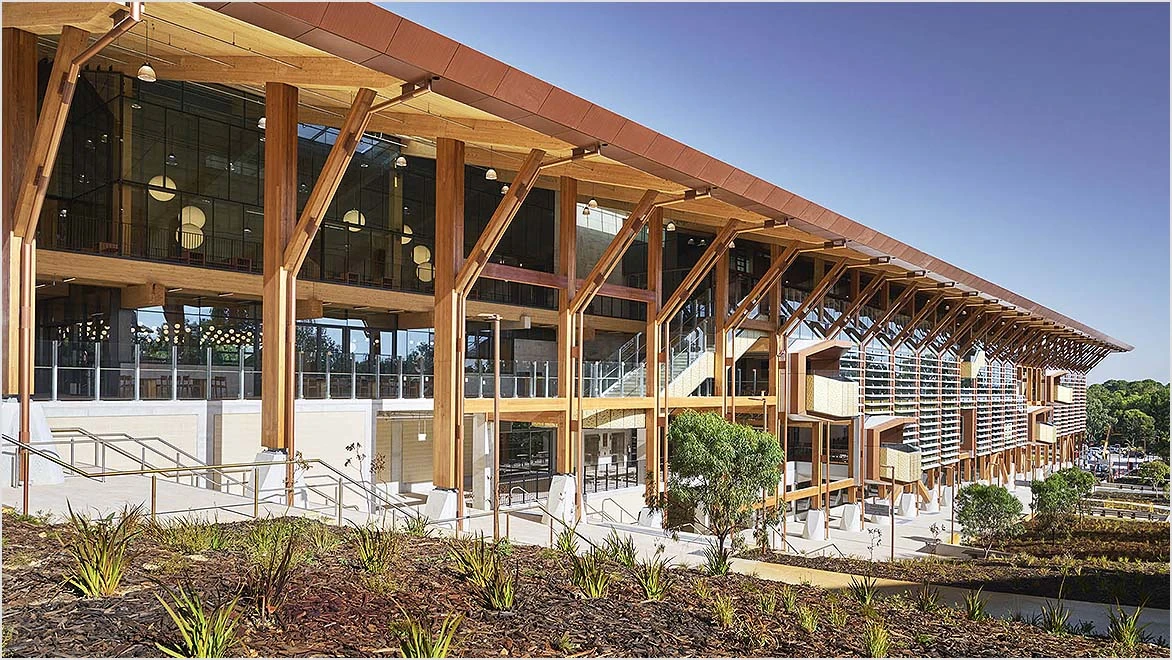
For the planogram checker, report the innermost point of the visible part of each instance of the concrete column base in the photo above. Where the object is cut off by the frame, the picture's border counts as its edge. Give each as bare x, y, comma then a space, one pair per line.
561, 499
1039, 474
906, 505
851, 520
441, 505
814, 529
649, 518
41, 471
272, 479
932, 505
946, 495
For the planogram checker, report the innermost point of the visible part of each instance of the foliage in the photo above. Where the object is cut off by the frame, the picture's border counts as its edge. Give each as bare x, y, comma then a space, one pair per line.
789, 598
374, 547
417, 525
1054, 502
620, 549
590, 574
1125, 629
99, 549
566, 541
1054, 617
207, 632
653, 575
269, 575
1155, 474
768, 602
974, 605
808, 619
723, 610
1135, 412
987, 513
865, 590
417, 641
927, 598
876, 639
838, 618
563, 644
722, 467
500, 589
188, 535
717, 559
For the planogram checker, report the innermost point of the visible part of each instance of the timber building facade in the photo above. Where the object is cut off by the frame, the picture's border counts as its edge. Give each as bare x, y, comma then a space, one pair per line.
294, 238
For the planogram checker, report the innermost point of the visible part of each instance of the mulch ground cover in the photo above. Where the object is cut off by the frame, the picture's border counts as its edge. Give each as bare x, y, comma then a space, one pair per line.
336, 608
1130, 583
1096, 537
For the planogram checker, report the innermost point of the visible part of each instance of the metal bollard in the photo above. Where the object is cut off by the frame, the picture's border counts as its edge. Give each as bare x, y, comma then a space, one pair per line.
338, 500
154, 495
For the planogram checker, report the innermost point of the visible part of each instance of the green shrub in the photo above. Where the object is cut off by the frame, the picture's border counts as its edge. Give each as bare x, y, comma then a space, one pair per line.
416, 641
1054, 503
474, 560
268, 577
621, 549
808, 619
768, 602
876, 639
99, 549
417, 525
500, 589
789, 598
566, 541
188, 535
723, 611
653, 576
590, 574
1125, 629
1053, 617
837, 617
865, 589
987, 513
717, 559
974, 605
374, 547
205, 632
927, 598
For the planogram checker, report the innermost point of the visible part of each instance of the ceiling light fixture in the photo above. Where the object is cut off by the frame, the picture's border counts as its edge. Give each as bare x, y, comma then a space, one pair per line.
401, 162
146, 72
490, 174
505, 189
671, 226
261, 123
593, 204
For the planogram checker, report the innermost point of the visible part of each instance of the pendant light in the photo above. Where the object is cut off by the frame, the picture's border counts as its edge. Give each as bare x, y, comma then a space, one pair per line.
490, 175
593, 203
671, 226
260, 123
146, 72
400, 162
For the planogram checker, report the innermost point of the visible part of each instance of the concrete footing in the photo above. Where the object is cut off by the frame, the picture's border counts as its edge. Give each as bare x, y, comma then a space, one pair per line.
906, 505
441, 505
814, 529
560, 504
932, 504
649, 518
851, 520
272, 479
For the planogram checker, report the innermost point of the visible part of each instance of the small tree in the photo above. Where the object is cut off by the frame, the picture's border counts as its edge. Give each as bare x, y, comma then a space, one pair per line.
1081, 481
722, 467
1154, 473
987, 513
1054, 503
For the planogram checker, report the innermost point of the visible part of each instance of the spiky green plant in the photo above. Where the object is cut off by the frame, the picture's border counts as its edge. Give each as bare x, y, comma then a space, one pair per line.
206, 631
566, 541
374, 547
188, 535
418, 641
702, 591
417, 525
789, 598
268, 577
768, 602
590, 574
974, 605
474, 560
1054, 617
876, 640
653, 576
717, 559
100, 550
808, 619
620, 549
322, 538
837, 617
722, 610
927, 598
500, 590
865, 589
1125, 629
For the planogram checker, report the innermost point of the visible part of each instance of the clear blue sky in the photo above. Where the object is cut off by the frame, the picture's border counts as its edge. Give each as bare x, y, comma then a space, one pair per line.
1025, 143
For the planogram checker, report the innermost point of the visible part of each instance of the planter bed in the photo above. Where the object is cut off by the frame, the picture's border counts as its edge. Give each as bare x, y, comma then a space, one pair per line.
335, 608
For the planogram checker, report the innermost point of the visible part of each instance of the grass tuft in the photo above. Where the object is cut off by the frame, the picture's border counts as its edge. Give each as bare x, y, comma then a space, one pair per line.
205, 631
100, 550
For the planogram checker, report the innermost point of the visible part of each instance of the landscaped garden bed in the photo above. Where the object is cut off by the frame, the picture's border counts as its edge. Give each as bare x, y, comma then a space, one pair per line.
348, 593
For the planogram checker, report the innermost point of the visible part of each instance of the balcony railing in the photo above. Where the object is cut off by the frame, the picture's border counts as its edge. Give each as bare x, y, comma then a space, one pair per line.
1045, 433
1063, 394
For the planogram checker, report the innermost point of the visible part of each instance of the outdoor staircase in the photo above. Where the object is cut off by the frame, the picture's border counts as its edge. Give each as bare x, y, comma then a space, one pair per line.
692, 361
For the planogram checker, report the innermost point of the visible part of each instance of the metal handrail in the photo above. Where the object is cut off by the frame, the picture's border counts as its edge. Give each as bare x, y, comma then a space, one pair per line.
622, 509
222, 467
